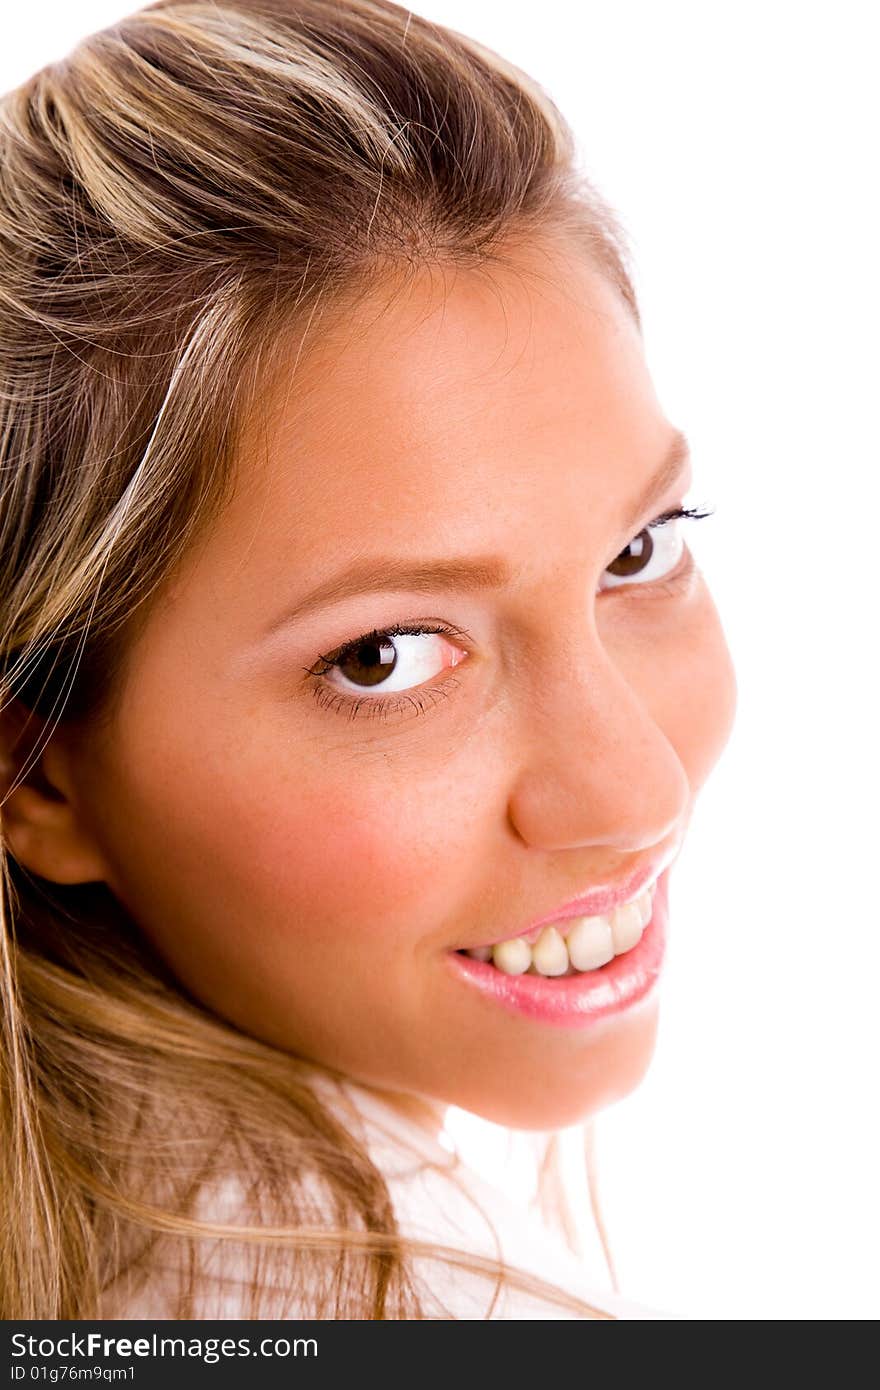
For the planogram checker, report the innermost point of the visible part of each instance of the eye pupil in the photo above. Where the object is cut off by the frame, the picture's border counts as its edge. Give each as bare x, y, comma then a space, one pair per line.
369, 662
636, 555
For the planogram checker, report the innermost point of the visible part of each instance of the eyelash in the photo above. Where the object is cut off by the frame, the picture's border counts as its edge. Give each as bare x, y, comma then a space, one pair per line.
422, 698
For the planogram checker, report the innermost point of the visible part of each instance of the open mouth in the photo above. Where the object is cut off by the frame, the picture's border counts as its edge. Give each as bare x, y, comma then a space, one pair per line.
588, 980
571, 947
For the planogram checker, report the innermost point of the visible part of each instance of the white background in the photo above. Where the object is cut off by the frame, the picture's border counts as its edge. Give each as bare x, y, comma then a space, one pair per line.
738, 143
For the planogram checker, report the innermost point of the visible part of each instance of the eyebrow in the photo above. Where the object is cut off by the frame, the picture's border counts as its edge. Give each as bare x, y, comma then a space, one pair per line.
465, 575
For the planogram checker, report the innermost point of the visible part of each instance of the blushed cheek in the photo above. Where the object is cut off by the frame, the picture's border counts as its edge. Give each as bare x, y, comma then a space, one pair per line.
383, 856
698, 703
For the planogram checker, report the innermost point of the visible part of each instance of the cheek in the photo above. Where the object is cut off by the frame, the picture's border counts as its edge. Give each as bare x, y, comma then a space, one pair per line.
377, 841
677, 658
696, 699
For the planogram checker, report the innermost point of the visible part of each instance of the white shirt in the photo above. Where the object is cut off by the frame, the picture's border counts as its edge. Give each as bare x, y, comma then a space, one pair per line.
437, 1196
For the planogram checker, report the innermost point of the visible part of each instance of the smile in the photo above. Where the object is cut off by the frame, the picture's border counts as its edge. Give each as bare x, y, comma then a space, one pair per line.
563, 992
569, 948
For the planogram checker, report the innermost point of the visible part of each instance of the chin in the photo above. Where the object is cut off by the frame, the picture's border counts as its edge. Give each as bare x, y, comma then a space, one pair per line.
609, 1063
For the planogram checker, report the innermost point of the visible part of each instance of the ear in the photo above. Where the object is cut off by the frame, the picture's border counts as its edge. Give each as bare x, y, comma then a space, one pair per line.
39, 819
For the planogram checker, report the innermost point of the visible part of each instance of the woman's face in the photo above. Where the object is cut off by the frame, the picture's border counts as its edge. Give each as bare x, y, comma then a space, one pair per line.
309, 850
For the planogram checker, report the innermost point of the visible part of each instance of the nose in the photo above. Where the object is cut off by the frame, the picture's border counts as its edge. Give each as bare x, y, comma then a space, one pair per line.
594, 766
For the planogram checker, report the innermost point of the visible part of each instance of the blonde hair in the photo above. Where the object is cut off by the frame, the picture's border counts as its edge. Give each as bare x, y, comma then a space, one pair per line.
173, 194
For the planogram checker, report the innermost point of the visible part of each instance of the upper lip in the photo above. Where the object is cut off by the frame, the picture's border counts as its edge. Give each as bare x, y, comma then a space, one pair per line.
597, 901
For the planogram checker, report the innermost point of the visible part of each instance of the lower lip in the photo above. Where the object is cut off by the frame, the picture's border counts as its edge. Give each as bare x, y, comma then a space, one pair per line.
576, 1001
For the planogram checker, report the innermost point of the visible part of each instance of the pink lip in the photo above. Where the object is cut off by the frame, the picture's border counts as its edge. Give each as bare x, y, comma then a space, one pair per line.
598, 902
575, 1001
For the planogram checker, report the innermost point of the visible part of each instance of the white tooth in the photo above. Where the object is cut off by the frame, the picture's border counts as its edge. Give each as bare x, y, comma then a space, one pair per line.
646, 903
480, 953
549, 953
626, 927
513, 957
590, 943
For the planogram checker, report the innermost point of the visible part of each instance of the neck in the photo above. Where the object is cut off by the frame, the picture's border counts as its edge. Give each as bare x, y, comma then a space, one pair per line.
429, 1114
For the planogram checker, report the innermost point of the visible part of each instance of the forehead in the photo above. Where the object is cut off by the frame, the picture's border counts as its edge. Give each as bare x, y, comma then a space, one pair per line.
439, 410
450, 374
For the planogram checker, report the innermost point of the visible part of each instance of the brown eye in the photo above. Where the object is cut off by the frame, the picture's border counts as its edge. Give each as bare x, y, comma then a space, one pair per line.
370, 662
636, 555
393, 660
651, 555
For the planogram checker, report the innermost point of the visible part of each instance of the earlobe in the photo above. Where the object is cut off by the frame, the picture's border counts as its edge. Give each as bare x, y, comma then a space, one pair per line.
40, 824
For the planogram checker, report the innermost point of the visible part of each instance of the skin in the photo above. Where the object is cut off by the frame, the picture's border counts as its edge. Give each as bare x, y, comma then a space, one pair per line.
304, 871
